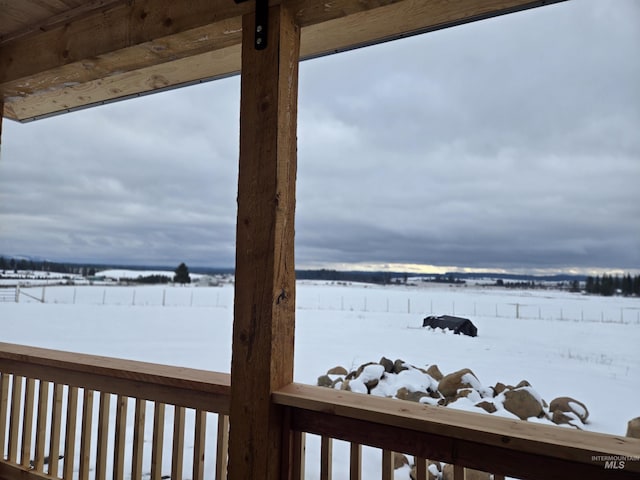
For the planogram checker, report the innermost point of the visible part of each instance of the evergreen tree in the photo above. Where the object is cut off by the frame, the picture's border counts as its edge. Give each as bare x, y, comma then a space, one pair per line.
182, 275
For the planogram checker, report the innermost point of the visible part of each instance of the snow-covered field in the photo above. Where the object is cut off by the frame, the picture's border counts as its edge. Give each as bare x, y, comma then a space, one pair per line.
563, 344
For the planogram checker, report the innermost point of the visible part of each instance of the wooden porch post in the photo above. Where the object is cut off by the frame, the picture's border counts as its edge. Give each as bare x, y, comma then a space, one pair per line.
264, 318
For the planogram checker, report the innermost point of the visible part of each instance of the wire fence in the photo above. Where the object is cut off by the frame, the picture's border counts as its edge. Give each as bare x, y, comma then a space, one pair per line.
561, 307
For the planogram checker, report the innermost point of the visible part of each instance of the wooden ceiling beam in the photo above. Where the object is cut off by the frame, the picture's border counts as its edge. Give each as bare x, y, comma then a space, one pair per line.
151, 45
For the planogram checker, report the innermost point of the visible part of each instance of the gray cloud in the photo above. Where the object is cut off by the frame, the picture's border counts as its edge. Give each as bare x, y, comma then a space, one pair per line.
508, 143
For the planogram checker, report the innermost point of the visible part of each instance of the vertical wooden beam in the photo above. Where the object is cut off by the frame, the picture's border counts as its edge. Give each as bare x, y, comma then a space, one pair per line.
264, 315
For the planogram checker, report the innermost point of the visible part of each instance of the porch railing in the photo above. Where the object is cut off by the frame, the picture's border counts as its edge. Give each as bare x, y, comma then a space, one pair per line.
64, 416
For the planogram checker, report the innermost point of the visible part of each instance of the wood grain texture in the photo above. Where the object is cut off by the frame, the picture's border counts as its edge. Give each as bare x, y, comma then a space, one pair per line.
4, 405
56, 428
27, 422
264, 306
41, 425
85, 434
120, 437
222, 447
90, 60
14, 418
387, 465
355, 461
185, 387
199, 442
103, 436
70, 433
157, 441
503, 446
177, 448
326, 458
138, 439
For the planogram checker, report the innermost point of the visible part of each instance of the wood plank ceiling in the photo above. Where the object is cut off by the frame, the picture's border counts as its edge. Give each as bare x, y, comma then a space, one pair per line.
60, 55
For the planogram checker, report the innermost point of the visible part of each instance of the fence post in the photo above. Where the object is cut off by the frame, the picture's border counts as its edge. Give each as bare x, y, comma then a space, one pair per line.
164, 296
74, 295
42, 297
17, 293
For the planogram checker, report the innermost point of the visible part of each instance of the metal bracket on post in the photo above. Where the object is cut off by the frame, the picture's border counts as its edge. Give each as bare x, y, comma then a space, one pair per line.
262, 22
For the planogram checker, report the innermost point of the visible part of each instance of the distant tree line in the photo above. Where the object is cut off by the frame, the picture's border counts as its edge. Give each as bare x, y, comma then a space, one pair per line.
15, 264
610, 285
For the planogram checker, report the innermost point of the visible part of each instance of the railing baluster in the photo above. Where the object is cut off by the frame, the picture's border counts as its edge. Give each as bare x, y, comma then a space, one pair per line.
27, 422
326, 458
199, 444
103, 436
14, 418
387, 465
120, 438
4, 403
138, 439
177, 452
41, 426
498, 477
157, 442
222, 447
299, 446
355, 462
422, 465
70, 433
458, 472
56, 427
85, 435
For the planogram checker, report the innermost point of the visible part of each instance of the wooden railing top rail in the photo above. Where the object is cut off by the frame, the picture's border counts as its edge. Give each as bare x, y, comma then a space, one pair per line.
495, 444
185, 387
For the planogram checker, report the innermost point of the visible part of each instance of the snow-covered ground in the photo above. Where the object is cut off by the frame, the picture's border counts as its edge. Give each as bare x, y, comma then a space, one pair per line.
563, 344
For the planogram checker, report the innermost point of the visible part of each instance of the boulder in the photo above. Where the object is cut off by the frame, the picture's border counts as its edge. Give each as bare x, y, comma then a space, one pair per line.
325, 381
398, 366
405, 394
450, 384
387, 364
633, 428
399, 460
523, 403
337, 371
559, 418
363, 366
487, 406
499, 388
434, 372
568, 404
431, 468
523, 383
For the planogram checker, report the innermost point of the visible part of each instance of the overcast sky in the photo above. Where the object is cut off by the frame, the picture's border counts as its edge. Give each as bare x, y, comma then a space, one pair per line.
512, 143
